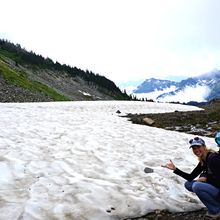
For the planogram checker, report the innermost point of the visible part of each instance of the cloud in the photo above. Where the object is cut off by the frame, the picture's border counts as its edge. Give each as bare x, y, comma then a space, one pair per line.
198, 93
153, 95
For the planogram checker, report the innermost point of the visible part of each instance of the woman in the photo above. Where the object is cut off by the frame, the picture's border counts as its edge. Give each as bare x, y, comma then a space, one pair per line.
207, 186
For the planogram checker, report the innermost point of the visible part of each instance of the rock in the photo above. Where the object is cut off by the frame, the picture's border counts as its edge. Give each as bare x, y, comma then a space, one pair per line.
110, 210
148, 121
118, 112
148, 170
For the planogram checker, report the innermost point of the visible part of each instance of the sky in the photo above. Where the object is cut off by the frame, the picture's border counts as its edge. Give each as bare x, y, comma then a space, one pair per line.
124, 40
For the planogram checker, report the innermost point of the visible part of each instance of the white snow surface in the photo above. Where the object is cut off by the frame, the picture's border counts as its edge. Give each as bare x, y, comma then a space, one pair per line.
81, 161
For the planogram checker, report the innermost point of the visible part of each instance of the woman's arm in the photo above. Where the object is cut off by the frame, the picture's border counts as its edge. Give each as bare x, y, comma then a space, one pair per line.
189, 176
198, 169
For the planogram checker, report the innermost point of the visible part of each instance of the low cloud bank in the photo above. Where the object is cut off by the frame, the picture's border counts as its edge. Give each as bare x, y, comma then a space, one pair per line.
197, 93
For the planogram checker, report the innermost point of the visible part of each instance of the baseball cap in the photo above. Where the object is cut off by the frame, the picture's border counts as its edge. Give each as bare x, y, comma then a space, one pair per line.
197, 141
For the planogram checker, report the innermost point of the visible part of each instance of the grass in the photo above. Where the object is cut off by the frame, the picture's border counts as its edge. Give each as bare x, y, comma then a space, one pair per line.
20, 79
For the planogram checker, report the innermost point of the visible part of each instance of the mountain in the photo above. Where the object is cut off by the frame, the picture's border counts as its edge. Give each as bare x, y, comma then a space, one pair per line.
201, 88
153, 84
27, 77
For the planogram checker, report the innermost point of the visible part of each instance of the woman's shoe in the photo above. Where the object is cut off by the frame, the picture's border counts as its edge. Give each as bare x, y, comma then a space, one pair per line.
212, 216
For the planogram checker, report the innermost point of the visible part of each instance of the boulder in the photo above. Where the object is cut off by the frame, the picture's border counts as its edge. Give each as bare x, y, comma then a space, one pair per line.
148, 121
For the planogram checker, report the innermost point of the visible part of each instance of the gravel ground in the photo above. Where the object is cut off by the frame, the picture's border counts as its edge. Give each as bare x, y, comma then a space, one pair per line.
165, 215
12, 93
204, 123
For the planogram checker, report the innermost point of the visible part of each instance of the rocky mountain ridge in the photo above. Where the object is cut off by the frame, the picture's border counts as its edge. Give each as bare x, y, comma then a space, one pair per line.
152, 84
209, 81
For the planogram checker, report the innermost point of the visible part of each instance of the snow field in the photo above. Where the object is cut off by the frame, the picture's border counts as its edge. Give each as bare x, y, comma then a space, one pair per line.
80, 160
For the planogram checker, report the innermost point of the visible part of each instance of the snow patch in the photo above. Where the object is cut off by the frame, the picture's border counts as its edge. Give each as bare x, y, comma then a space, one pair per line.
85, 93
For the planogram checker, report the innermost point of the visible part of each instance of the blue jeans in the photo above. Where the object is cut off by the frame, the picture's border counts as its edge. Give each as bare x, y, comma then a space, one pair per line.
207, 193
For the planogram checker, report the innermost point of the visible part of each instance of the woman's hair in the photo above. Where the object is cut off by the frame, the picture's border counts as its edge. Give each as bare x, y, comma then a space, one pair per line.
203, 158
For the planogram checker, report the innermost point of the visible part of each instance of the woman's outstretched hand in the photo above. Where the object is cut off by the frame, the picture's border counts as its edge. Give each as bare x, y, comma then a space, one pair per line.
170, 165
202, 179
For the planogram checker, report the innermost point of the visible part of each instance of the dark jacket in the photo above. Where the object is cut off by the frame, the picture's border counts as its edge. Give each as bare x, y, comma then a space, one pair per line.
210, 169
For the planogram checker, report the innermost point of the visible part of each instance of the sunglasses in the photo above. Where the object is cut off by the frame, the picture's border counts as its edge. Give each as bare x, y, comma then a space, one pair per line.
198, 140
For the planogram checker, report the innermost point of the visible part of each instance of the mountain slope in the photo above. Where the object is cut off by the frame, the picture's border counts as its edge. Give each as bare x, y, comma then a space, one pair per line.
25, 74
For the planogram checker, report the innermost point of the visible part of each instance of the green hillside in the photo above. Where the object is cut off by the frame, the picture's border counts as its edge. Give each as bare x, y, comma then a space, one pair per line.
21, 68
20, 79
